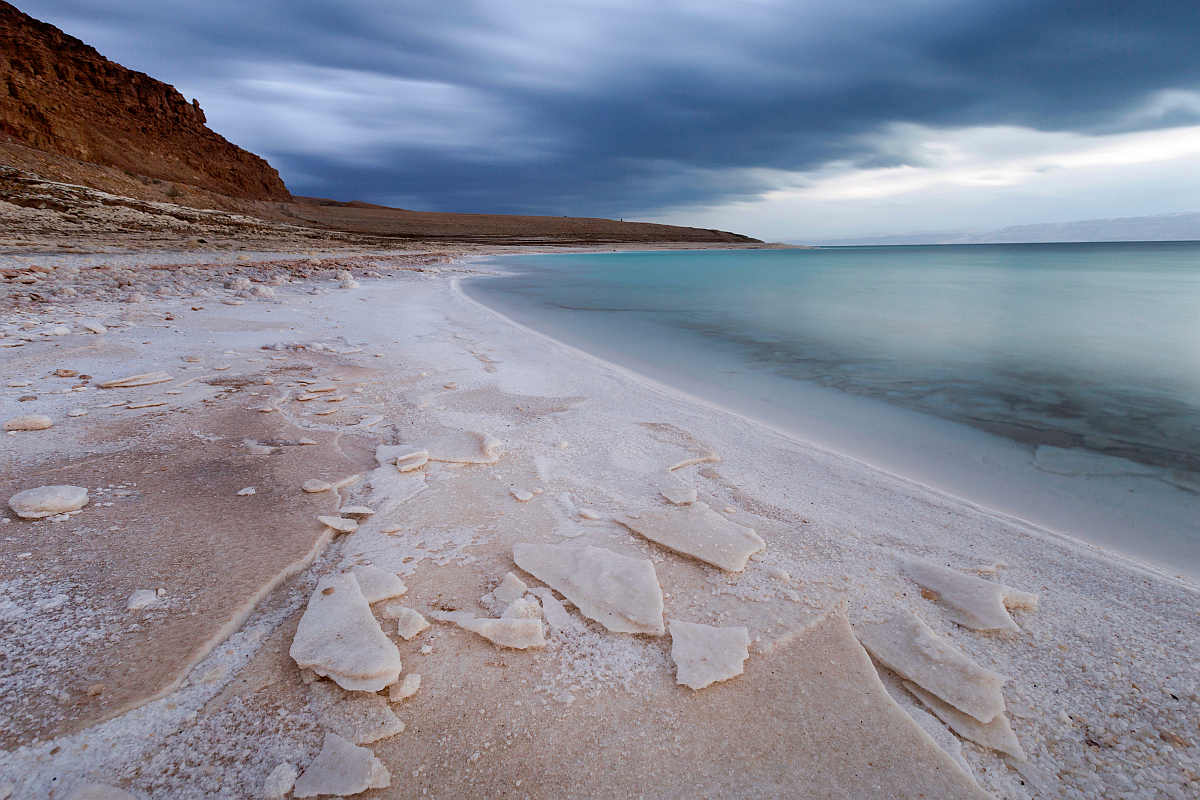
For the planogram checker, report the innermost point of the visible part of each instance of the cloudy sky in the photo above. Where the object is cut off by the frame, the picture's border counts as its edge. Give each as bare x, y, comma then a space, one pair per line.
795, 120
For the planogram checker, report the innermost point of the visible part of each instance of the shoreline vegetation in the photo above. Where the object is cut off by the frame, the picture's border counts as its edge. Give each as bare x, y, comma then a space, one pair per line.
279, 445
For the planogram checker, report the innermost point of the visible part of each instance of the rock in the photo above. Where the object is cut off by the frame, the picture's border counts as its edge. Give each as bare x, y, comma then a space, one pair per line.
518, 634
378, 584
144, 379
142, 598
280, 781
342, 768
339, 638
409, 623
46, 501
339, 524
314, 486
619, 592
704, 655
28, 422
698, 531
405, 688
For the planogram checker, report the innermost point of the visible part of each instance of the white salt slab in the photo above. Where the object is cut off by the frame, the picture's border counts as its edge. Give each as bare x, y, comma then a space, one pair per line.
378, 584
679, 495
519, 634
280, 781
704, 654
619, 592
360, 717
910, 648
46, 501
970, 601
556, 615
339, 638
342, 768
997, 734
698, 531
405, 688
144, 379
523, 608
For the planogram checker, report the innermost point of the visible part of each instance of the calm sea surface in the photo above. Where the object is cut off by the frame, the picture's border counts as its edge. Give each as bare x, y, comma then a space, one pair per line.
1038, 380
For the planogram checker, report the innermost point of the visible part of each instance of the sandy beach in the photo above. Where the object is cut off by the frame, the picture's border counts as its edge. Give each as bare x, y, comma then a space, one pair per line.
152, 638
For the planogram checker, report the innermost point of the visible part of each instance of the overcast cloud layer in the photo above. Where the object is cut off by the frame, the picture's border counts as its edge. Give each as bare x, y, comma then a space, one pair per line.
789, 120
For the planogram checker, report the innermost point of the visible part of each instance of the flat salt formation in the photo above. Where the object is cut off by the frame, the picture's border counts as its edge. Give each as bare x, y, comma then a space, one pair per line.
698, 531
519, 634
28, 422
997, 734
47, 501
704, 654
711, 458
147, 404
405, 688
619, 592
679, 495
356, 511
142, 598
360, 717
280, 781
971, 602
409, 622
314, 486
467, 447
910, 648
342, 768
339, 524
412, 460
339, 638
144, 379
378, 584
556, 615
520, 495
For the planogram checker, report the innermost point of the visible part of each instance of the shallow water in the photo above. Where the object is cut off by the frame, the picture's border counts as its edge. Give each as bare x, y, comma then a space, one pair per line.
1034, 379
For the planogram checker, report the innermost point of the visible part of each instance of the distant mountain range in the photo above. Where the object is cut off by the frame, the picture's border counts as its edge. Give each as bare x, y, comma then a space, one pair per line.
1160, 228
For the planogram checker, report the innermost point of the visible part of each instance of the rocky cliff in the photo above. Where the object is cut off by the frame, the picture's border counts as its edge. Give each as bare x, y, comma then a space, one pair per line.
59, 95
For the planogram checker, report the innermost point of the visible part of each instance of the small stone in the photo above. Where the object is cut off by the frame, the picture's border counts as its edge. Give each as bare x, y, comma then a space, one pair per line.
28, 422
314, 486
46, 501
339, 524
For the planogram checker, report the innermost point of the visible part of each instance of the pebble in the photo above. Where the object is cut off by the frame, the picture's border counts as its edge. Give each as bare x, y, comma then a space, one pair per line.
28, 422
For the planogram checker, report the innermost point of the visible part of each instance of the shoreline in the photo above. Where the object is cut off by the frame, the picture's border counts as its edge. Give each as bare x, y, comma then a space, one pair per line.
597, 439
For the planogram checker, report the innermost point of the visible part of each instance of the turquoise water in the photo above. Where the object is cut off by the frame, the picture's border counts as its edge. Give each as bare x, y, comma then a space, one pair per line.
1082, 359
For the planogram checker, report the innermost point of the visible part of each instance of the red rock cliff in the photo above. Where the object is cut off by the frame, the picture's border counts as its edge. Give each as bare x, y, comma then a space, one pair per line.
59, 95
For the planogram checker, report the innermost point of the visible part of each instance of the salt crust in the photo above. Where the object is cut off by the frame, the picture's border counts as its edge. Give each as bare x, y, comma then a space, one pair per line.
342, 768
619, 592
339, 638
518, 634
698, 531
910, 648
361, 717
704, 654
99, 791
679, 495
510, 588
46, 501
971, 602
997, 734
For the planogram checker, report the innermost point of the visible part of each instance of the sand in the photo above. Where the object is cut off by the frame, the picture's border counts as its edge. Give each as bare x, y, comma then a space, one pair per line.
196, 695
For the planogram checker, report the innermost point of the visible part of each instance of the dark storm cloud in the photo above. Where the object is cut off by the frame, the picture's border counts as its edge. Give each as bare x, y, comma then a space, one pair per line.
610, 107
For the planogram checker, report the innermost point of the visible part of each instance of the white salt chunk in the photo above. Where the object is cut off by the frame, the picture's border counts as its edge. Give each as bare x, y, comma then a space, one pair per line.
339, 524
698, 531
249, 490
619, 592
280, 781
405, 688
338, 637
997, 734
704, 654
342, 768
409, 622
711, 458
142, 598
971, 602
910, 648
314, 486
523, 608
144, 379
556, 615
378, 584
520, 495
28, 422
679, 495
519, 634
46, 501
509, 590
356, 511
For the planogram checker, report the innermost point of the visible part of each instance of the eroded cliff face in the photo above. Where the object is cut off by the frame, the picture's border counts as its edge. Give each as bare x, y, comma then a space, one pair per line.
59, 95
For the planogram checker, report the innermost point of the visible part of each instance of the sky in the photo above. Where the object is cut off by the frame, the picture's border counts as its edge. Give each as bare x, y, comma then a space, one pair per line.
790, 121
